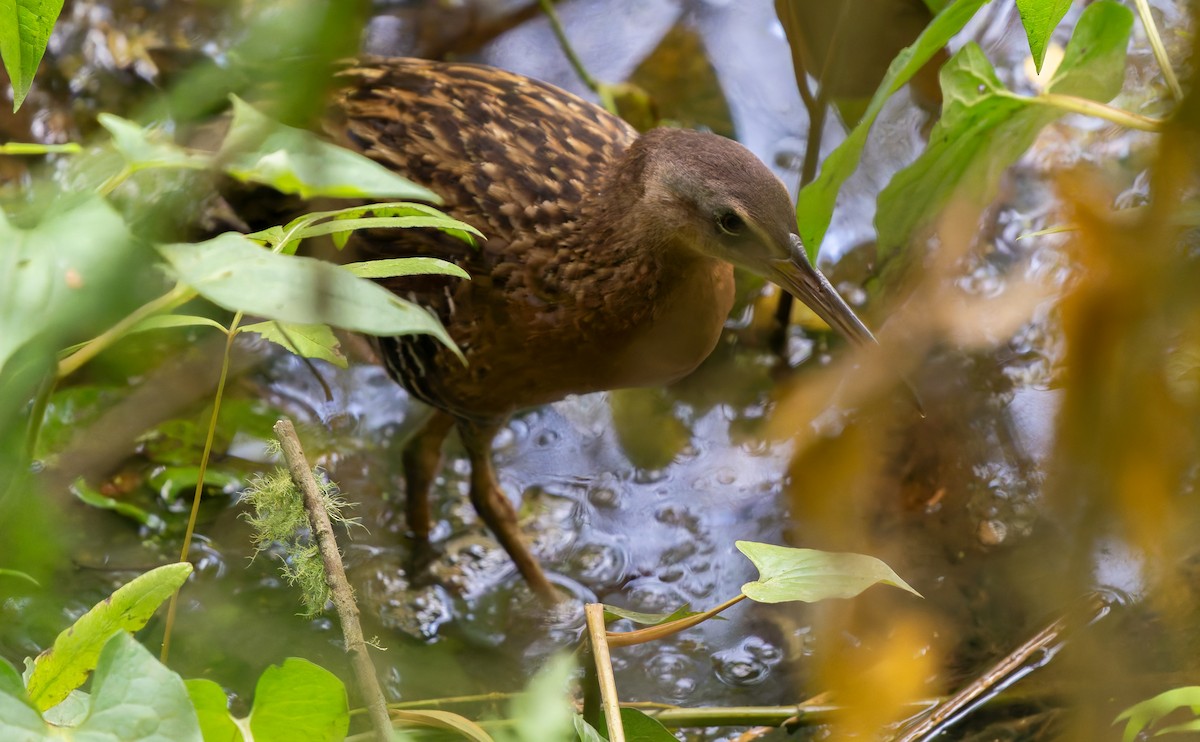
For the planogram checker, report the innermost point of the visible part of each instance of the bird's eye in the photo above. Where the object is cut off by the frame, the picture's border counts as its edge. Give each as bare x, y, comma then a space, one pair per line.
730, 223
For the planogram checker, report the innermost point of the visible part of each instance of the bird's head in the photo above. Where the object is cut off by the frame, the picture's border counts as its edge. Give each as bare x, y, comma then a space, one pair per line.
715, 197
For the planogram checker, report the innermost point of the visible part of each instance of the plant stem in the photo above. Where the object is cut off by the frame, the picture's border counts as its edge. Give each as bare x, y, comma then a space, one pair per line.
37, 415
165, 303
1074, 104
651, 633
335, 577
208, 443
606, 98
1160, 51
604, 672
32, 148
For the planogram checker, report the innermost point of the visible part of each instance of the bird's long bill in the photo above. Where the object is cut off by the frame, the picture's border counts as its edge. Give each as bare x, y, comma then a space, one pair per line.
802, 280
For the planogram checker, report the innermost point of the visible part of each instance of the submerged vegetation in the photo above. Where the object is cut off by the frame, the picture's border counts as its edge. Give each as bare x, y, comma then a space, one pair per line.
1010, 264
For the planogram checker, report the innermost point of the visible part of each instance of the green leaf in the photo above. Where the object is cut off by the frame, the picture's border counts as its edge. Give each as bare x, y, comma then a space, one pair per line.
212, 710
168, 321
65, 666
389, 267
299, 702
71, 711
144, 148
234, 273
25, 27
16, 574
135, 698
347, 224
309, 341
586, 732
544, 711
20, 722
1141, 715
1093, 64
85, 493
424, 216
641, 728
814, 205
1040, 18
786, 574
56, 271
612, 613
260, 150
10, 680
172, 481
984, 127
444, 720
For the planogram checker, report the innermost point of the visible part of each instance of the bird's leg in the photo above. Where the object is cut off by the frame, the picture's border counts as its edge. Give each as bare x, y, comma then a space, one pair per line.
422, 457
495, 509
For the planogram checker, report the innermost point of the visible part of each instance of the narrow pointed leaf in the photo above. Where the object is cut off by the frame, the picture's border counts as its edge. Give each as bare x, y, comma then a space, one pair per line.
25, 27
808, 575
1040, 18
612, 613
63, 668
389, 267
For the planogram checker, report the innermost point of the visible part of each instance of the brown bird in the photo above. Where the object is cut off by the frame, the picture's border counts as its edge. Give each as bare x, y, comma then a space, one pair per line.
608, 261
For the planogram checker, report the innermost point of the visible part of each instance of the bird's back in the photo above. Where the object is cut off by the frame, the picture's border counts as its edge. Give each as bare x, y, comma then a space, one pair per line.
510, 155
519, 160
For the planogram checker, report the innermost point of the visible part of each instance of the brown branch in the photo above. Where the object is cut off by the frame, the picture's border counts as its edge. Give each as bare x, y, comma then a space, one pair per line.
335, 577
604, 672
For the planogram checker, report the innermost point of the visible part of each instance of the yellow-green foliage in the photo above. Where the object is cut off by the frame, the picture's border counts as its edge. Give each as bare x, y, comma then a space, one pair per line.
279, 518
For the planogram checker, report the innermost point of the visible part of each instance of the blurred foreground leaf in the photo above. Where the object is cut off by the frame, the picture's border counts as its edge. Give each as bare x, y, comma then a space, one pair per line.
260, 150
544, 711
786, 574
63, 668
25, 27
1040, 18
235, 273
1141, 715
56, 270
984, 127
144, 148
135, 697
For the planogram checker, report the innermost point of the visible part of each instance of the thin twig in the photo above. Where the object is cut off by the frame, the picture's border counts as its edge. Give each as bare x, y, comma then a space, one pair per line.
335, 577
1160, 51
1120, 117
604, 671
173, 605
592, 84
175, 297
1004, 673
